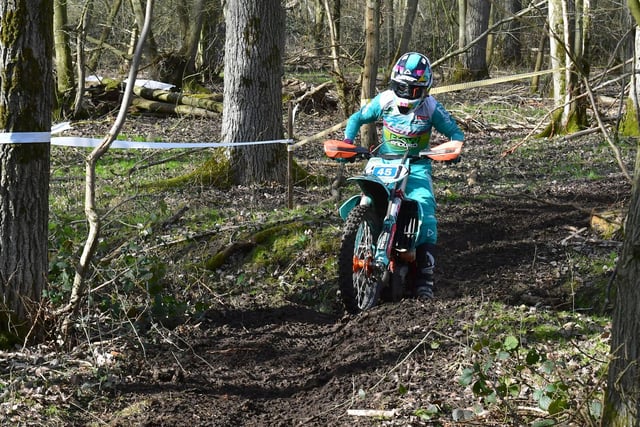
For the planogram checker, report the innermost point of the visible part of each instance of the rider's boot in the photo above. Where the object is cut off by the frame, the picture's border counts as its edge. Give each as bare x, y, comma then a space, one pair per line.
425, 262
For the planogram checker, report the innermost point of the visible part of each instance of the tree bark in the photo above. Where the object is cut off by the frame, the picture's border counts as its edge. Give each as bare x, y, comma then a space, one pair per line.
65, 82
253, 89
622, 396
179, 99
477, 23
26, 88
370, 71
622, 400
568, 24
405, 36
512, 50
104, 34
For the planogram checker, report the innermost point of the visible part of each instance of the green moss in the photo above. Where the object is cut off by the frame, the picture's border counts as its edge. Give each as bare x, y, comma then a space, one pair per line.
460, 74
214, 172
629, 124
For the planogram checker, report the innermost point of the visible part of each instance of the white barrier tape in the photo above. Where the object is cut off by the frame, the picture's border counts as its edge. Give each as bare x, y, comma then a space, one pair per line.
60, 127
489, 82
72, 141
25, 137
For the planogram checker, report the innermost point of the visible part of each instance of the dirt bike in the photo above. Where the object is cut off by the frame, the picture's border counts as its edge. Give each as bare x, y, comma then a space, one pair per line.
377, 255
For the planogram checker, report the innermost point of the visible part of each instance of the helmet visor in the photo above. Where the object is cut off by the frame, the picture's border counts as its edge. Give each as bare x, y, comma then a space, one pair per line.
407, 90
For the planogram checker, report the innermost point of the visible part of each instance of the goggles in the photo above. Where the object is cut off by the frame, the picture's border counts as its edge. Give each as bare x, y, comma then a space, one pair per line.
408, 90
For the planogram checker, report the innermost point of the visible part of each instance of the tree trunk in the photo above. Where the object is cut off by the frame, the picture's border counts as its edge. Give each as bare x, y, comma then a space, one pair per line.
253, 89
151, 46
405, 36
477, 23
622, 401
318, 27
568, 24
26, 89
622, 396
462, 24
390, 28
512, 48
210, 57
81, 37
369, 135
65, 82
341, 83
104, 34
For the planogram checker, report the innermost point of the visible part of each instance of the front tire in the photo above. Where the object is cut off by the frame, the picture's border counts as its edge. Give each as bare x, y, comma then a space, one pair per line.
359, 286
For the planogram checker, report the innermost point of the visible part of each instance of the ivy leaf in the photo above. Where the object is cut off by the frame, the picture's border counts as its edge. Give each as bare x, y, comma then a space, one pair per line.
467, 377
533, 357
557, 406
595, 409
402, 390
510, 343
544, 402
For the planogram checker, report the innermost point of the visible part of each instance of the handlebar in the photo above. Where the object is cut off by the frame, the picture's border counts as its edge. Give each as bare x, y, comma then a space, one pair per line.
337, 149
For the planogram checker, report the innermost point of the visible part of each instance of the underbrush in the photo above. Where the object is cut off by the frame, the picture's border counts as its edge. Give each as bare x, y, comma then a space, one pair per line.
169, 255
537, 367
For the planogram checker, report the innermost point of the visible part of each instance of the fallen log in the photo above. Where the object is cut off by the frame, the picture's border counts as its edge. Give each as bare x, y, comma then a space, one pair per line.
172, 109
179, 99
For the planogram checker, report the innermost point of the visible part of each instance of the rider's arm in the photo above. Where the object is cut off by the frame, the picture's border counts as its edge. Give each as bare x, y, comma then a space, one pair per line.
445, 123
371, 112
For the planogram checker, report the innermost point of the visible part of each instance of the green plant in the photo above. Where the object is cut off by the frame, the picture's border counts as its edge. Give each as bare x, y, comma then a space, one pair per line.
509, 368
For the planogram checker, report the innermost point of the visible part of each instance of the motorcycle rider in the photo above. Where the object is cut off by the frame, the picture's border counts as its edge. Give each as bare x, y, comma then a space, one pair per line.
408, 116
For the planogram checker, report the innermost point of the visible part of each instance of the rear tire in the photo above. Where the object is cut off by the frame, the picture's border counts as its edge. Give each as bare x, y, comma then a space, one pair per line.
361, 288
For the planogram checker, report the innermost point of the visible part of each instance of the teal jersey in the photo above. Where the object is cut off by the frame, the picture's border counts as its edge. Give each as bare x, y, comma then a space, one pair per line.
402, 131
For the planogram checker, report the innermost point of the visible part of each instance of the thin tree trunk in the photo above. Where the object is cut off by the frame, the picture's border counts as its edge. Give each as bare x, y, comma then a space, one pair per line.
65, 83
462, 24
341, 84
407, 26
104, 34
81, 36
390, 29
370, 70
78, 289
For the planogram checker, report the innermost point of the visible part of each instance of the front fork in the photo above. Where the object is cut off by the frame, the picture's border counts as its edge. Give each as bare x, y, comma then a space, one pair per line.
384, 245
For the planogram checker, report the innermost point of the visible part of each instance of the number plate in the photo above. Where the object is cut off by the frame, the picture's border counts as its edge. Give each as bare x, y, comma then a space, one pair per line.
385, 171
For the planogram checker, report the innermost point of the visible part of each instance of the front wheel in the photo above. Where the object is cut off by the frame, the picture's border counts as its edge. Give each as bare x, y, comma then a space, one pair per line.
359, 285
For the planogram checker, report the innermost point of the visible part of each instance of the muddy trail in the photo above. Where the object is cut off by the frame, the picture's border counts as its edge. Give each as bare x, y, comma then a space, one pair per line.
510, 228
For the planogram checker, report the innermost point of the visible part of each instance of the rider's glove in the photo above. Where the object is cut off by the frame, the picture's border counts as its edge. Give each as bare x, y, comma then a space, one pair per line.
350, 160
453, 161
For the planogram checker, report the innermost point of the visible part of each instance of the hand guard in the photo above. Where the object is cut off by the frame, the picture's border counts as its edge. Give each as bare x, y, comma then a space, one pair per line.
453, 161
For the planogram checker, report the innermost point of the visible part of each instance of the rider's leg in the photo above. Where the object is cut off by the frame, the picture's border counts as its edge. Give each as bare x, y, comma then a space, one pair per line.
419, 188
425, 262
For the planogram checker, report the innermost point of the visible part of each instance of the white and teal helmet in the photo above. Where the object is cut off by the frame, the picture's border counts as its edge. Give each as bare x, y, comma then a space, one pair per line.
411, 79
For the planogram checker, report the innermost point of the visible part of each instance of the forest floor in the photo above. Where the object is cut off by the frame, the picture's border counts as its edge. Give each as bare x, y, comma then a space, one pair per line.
517, 333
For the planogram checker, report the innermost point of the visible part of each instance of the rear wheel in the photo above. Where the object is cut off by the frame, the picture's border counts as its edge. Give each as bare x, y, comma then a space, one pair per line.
359, 286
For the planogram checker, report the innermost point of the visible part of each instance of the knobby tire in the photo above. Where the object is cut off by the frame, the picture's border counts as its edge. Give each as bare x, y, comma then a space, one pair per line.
360, 290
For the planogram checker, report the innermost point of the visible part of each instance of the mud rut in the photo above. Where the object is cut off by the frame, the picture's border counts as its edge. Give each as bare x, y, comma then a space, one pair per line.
286, 366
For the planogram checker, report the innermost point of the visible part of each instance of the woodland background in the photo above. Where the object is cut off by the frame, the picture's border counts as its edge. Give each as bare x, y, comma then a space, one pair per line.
139, 300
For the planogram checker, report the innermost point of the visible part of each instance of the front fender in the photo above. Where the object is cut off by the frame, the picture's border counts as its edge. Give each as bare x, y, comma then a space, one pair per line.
375, 191
349, 205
